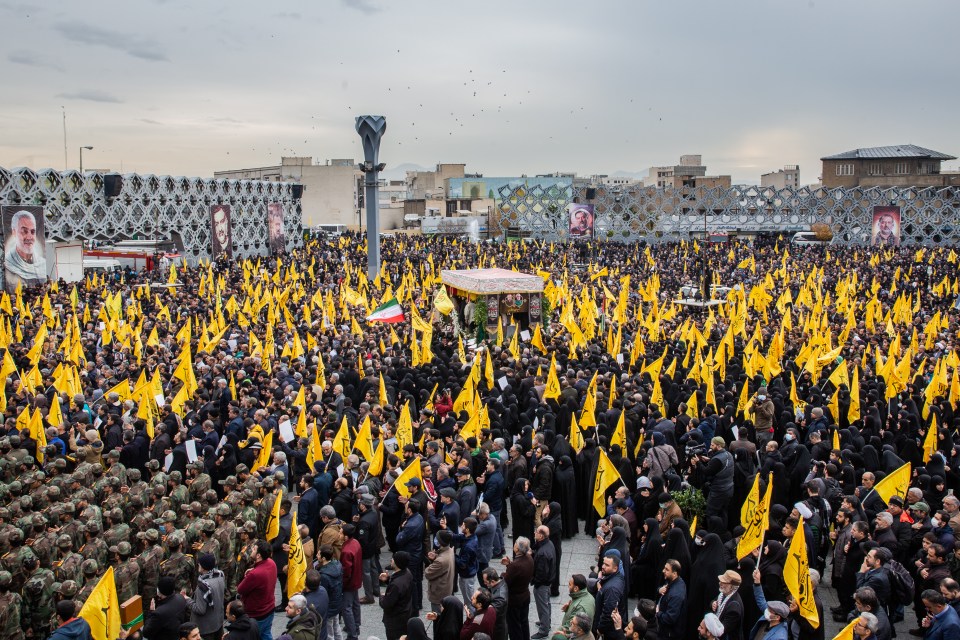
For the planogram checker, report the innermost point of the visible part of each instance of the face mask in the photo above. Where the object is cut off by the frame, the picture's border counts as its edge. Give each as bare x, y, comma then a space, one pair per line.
162, 529
766, 615
761, 398
935, 522
663, 506
700, 542
788, 437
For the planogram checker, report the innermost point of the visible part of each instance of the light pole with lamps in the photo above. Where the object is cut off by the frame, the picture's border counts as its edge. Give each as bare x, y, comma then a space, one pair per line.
81, 156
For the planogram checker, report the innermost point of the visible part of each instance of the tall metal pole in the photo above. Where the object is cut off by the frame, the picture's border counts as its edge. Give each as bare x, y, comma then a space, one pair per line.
371, 130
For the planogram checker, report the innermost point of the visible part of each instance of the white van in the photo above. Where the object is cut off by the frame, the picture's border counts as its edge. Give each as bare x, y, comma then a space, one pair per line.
332, 229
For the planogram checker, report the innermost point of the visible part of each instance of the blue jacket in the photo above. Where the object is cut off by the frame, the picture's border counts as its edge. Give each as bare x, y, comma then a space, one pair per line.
671, 618
410, 537
779, 632
75, 629
321, 603
946, 626
493, 489
331, 579
308, 511
610, 591
486, 531
468, 558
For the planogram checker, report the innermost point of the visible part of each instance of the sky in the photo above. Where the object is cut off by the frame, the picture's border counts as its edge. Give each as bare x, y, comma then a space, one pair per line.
506, 87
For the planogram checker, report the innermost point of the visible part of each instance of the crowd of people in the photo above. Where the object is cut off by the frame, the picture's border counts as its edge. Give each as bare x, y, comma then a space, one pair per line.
158, 431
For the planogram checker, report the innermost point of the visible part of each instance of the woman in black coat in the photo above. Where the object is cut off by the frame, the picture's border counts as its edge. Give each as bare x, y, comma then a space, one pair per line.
704, 579
522, 509
677, 547
397, 600
649, 561
553, 519
565, 492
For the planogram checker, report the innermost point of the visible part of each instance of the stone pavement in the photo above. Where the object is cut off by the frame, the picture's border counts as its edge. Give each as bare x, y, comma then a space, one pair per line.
579, 555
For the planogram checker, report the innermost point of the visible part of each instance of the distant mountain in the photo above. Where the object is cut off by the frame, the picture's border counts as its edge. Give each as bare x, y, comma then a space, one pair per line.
399, 172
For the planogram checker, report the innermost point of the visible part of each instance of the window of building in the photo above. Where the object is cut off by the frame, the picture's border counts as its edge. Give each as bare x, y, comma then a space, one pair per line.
844, 169
876, 169
901, 168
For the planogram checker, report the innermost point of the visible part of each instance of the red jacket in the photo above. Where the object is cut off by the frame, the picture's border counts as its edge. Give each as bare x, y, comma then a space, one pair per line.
351, 557
256, 590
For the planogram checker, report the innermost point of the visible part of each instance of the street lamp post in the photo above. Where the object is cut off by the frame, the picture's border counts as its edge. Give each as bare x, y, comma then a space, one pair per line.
371, 130
88, 148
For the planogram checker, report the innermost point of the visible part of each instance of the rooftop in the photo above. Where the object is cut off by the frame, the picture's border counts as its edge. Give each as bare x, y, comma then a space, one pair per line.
897, 151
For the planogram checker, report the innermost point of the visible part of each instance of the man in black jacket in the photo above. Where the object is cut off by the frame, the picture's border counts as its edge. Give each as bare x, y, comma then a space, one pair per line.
671, 609
542, 483
396, 601
610, 589
368, 533
163, 621
544, 559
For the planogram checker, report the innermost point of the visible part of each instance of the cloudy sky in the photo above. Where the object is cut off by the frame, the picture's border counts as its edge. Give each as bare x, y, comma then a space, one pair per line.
507, 87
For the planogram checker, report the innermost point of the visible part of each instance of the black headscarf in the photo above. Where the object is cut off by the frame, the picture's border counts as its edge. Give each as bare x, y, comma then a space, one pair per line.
448, 623
416, 630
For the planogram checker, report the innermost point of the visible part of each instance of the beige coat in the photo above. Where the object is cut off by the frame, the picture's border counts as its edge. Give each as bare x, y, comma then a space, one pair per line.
440, 574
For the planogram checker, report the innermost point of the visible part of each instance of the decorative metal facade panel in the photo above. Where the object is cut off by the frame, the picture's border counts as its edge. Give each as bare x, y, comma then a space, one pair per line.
150, 207
929, 216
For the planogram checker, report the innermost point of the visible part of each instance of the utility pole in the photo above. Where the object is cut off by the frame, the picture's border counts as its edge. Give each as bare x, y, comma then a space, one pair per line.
371, 130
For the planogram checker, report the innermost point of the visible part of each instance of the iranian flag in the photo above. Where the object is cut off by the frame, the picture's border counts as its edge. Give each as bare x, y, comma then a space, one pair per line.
389, 311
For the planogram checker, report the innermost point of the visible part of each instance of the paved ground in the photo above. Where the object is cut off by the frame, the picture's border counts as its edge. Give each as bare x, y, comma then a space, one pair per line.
579, 554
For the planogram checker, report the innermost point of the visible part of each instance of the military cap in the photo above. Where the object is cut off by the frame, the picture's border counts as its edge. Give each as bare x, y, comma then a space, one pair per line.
59, 463
242, 468
269, 482
177, 538
166, 516
92, 527
89, 567
64, 541
26, 502
15, 441
150, 535
194, 506
158, 490
39, 520
210, 496
5, 442
4, 513
53, 491
223, 510
68, 507
279, 476
208, 526
16, 486
136, 501
54, 511
116, 514
76, 476
124, 549
175, 476
133, 474
114, 482
97, 470
68, 589
248, 494
193, 465
114, 454
6, 579
230, 481
249, 527
153, 465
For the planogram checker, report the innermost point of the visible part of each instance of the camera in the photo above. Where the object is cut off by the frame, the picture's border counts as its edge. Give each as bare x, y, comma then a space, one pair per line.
695, 449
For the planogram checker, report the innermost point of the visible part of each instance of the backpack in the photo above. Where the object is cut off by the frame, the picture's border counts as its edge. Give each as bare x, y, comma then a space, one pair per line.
901, 582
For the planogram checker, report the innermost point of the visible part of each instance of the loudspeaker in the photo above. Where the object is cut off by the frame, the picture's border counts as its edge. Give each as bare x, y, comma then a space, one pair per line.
112, 183
591, 193
297, 191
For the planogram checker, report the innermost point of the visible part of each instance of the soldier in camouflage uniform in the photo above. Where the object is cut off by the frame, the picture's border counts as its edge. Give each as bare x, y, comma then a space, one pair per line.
114, 468
157, 476
112, 498
94, 548
189, 514
25, 521
231, 495
126, 572
198, 483
177, 493
179, 566
91, 573
77, 490
36, 490
136, 487
13, 561
140, 519
207, 542
38, 603
226, 536
149, 561
58, 474
269, 495
67, 567
63, 591
115, 530
248, 512
246, 553
42, 542
69, 525
11, 605
99, 482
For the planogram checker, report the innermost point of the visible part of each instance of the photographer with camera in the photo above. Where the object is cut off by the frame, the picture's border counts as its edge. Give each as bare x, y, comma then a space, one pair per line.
714, 473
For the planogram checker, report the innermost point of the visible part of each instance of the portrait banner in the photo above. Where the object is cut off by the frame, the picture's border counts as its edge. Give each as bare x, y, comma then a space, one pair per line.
276, 237
221, 235
886, 226
581, 220
25, 260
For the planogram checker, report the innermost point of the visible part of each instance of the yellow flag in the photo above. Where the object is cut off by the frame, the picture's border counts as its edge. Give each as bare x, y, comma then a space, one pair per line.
315, 451
552, 389
412, 471
757, 525
442, 301
404, 433
296, 562
102, 609
607, 475
847, 632
364, 442
384, 398
930, 441
263, 459
376, 463
273, 522
895, 484
836, 439
796, 575
753, 499
620, 433
341, 441
55, 415
576, 437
